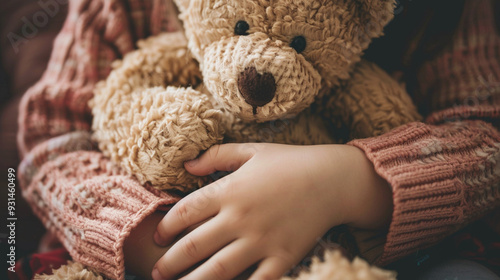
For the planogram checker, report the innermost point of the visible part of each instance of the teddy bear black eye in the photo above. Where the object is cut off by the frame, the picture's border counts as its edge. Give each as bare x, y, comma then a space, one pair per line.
241, 28
299, 44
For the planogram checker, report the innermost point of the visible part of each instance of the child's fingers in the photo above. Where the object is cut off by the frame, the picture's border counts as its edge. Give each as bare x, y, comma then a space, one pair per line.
228, 262
191, 210
227, 157
271, 268
196, 246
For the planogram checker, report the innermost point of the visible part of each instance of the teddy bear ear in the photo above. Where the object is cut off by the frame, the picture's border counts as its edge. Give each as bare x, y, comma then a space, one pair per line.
373, 16
182, 4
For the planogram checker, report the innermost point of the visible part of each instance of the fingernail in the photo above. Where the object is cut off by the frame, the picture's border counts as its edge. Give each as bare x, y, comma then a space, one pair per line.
156, 274
192, 163
157, 239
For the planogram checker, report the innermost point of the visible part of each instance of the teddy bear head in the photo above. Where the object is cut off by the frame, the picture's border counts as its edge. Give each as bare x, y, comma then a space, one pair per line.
268, 59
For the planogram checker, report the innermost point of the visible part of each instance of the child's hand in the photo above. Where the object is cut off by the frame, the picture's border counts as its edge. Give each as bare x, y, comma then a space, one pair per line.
271, 210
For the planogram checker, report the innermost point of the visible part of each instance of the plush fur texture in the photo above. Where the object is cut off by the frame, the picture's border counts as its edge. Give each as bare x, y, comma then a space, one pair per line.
181, 93
334, 267
70, 271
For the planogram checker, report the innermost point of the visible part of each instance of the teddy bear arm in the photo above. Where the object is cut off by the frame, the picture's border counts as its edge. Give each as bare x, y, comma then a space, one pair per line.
306, 128
152, 132
168, 56
160, 61
371, 103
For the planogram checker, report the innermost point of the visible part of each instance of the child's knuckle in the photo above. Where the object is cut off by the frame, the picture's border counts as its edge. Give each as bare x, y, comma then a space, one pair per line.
219, 269
213, 152
189, 248
182, 212
164, 268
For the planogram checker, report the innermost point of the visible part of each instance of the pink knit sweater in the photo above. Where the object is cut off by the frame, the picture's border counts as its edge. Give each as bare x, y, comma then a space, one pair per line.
444, 172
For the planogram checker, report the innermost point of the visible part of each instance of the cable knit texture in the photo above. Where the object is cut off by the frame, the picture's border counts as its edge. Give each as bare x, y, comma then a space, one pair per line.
445, 173
94, 205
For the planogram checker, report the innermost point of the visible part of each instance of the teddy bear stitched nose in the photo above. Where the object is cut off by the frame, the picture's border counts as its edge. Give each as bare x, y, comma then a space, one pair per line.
257, 89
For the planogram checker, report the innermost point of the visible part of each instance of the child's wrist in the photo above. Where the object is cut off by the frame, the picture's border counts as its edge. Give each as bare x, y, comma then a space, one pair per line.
371, 195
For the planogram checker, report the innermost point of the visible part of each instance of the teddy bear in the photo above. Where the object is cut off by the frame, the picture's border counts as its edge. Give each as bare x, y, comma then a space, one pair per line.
281, 71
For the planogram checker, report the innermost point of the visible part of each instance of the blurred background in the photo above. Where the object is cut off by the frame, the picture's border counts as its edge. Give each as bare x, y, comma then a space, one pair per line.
23, 61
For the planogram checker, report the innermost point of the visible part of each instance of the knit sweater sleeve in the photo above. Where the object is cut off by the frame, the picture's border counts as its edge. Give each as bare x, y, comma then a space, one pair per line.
88, 202
443, 176
94, 34
445, 172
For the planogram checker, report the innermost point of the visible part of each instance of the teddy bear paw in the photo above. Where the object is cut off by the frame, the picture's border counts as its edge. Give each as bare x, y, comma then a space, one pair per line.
159, 131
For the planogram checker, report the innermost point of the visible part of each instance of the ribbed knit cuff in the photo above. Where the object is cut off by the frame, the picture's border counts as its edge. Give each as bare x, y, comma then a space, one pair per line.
442, 177
92, 206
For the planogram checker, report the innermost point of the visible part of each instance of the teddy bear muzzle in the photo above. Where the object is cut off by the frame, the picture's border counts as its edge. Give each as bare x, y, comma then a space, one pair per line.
257, 89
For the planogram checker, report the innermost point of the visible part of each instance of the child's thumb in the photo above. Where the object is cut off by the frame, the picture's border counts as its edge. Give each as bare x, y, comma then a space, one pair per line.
227, 157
